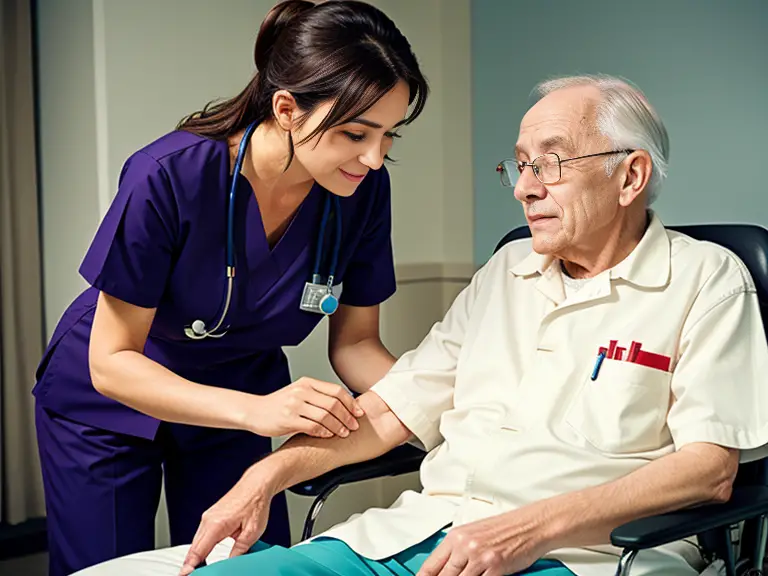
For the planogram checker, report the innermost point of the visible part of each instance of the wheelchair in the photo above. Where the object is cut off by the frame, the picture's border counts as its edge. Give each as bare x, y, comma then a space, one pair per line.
734, 532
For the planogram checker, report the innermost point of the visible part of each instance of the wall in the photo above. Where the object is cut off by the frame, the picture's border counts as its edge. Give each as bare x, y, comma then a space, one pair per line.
68, 179
702, 63
115, 75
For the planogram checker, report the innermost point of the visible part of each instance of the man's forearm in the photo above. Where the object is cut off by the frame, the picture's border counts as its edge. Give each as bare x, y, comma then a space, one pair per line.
698, 474
302, 457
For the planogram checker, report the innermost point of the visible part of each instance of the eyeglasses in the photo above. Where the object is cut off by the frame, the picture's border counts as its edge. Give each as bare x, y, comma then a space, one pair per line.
546, 167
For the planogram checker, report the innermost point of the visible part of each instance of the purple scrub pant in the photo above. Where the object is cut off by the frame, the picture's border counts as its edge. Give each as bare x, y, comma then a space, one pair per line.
102, 489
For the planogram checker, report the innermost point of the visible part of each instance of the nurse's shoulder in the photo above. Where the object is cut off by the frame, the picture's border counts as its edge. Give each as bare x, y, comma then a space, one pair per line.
181, 172
186, 160
161, 189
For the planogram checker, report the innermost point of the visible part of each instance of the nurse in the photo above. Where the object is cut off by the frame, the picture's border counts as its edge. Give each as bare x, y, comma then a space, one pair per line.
227, 239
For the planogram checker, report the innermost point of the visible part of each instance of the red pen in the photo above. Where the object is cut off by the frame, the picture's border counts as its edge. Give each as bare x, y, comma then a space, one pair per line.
619, 353
652, 360
612, 348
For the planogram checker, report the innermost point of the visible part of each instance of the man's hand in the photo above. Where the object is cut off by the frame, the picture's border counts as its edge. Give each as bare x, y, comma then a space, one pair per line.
698, 473
241, 514
503, 544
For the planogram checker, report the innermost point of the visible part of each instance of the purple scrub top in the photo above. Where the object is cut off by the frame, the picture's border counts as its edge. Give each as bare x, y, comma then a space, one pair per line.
162, 245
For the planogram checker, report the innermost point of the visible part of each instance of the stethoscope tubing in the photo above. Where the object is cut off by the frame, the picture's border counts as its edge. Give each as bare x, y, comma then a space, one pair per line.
200, 334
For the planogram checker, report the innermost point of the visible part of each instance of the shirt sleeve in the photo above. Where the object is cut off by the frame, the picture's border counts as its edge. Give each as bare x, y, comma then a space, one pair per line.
370, 276
718, 386
419, 387
131, 255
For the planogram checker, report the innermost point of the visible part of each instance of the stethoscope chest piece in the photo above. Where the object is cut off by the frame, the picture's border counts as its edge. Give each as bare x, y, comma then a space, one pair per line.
329, 304
198, 331
198, 327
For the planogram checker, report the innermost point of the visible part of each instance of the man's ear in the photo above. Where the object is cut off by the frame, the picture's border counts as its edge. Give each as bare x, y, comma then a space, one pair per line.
284, 109
635, 173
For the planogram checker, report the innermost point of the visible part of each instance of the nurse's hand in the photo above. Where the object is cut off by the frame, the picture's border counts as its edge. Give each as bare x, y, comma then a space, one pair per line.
307, 406
241, 514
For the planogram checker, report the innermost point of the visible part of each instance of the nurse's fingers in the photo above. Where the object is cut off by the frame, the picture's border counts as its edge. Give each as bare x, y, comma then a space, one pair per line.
324, 419
336, 391
334, 406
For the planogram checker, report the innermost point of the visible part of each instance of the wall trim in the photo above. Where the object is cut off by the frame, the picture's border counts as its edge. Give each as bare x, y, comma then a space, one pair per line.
417, 272
100, 88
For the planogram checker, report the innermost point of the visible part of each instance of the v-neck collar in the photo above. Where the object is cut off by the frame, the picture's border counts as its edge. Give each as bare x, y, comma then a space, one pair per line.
254, 259
296, 236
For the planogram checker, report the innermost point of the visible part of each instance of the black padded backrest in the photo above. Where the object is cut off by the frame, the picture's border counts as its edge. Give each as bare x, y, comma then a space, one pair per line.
750, 243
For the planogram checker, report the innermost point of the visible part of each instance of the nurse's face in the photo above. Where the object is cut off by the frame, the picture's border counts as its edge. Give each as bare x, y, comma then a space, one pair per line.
339, 158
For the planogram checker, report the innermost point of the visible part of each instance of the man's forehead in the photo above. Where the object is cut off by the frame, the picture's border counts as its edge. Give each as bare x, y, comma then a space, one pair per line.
564, 116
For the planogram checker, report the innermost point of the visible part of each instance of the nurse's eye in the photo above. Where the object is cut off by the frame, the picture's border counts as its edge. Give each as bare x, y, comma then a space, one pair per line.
354, 137
392, 135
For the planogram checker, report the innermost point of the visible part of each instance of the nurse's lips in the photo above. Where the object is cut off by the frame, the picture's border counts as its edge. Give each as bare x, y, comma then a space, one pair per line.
357, 178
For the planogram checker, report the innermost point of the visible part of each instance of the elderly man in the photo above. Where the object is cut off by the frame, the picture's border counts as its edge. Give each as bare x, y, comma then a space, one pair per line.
613, 372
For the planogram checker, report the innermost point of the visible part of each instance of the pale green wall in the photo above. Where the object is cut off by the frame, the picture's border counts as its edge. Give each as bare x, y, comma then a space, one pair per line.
702, 63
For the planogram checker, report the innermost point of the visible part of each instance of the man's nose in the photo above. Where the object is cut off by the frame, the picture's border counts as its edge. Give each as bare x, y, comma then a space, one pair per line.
528, 186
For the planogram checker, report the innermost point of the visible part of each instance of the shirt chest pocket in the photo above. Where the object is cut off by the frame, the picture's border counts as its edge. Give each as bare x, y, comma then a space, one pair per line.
624, 410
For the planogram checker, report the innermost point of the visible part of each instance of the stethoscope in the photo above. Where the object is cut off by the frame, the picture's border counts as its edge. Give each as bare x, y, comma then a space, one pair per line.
317, 297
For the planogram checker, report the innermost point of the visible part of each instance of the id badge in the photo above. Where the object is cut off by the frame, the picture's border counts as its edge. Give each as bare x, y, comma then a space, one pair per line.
310, 298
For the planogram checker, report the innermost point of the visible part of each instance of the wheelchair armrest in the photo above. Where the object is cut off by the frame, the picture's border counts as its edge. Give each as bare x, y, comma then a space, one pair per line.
400, 460
746, 503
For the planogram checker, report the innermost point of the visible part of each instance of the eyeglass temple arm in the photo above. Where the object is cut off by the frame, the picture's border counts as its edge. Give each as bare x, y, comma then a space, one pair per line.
627, 151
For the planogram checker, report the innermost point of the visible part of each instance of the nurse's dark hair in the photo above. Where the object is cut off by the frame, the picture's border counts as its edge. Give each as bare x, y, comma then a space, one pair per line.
341, 50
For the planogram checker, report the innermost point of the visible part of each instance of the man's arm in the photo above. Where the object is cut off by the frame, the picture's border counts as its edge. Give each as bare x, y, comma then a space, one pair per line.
303, 457
695, 475
242, 512
510, 542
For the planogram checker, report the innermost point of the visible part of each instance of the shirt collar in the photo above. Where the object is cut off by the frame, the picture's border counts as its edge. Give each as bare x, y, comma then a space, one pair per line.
648, 265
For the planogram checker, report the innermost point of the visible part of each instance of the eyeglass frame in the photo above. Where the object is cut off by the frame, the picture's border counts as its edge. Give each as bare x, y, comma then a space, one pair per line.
522, 165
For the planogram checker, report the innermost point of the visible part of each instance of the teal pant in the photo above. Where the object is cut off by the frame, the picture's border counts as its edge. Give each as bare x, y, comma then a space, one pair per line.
331, 557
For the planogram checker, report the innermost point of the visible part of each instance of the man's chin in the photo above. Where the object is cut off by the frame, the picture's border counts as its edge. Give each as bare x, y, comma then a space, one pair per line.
545, 243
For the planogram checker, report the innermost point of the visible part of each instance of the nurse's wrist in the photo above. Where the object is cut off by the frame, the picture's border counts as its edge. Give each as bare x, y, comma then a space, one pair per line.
246, 414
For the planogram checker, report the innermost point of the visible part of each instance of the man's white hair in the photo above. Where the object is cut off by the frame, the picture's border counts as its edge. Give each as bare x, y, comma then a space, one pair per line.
627, 119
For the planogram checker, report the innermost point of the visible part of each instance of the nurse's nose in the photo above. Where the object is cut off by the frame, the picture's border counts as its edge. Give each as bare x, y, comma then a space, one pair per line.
373, 157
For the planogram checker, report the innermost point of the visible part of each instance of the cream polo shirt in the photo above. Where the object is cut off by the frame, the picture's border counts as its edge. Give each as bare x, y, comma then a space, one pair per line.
500, 392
